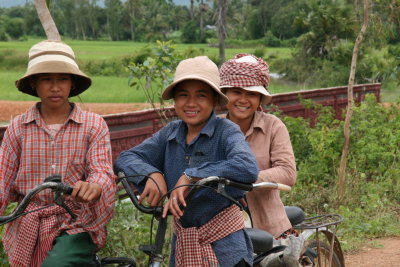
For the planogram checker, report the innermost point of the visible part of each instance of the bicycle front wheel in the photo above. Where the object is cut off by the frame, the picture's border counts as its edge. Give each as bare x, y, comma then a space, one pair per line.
323, 256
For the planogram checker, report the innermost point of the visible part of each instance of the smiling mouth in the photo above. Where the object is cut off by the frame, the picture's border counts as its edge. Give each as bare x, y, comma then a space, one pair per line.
242, 108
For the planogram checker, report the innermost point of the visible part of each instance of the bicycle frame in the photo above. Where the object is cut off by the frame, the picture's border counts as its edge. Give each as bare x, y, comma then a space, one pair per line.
153, 251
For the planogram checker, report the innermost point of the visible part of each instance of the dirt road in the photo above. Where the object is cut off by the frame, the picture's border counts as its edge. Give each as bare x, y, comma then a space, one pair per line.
384, 252
9, 109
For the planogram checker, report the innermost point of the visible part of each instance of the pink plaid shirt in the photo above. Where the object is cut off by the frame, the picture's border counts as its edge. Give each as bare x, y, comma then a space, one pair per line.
29, 153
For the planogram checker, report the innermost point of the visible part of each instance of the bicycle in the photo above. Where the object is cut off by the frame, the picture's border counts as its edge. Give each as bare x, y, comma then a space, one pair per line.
313, 252
263, 242
54, 183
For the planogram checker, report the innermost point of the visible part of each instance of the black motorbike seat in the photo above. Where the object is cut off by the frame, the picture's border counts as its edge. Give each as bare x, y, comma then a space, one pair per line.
295, 214
262, 240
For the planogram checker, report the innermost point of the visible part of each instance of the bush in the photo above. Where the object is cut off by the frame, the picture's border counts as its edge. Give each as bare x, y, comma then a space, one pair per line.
190, 33
236, 43
371, 202
271, 40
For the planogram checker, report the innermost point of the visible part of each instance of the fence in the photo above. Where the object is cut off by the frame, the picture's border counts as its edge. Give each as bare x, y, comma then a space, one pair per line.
131, 128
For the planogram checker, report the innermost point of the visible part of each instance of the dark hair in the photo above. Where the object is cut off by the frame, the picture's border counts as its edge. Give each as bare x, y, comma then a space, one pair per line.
173, 91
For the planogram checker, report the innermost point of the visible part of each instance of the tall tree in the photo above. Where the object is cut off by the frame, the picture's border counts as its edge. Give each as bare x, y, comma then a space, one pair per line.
113, 11
221, 23
47, 21
349, 112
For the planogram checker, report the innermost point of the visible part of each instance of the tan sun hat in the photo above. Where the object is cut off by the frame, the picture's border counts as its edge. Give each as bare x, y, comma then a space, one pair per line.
198, 68
247, 72
53, 57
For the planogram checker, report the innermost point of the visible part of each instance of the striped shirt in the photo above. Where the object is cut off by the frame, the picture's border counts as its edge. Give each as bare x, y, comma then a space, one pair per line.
29, 153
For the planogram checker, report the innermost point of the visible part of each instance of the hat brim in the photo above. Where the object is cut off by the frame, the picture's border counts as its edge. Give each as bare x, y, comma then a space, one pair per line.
82, 81
168, 91
266, 96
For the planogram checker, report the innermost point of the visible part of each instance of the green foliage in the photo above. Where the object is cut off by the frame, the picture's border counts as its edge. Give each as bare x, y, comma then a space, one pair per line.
371, 203
236, 43
15, 27
327, 23
155, 73
271, 40
128, 230
190, 33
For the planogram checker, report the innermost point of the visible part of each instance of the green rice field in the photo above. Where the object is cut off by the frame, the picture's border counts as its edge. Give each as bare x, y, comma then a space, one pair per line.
105, 89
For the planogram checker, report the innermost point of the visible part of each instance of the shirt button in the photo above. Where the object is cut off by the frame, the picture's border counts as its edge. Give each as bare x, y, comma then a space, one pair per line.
52, 143
53, 166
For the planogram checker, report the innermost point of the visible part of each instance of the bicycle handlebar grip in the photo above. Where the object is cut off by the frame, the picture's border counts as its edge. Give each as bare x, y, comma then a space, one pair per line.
68, 190
284, 187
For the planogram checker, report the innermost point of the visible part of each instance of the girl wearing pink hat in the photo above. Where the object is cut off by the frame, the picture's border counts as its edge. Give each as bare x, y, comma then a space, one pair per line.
56, 137
244, 80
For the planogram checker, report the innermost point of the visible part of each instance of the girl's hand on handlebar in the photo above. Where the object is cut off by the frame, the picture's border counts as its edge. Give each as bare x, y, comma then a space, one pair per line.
177, 198
152, 191
86, 192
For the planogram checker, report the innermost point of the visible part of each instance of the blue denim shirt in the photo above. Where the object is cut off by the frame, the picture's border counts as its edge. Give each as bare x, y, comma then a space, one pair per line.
221, 150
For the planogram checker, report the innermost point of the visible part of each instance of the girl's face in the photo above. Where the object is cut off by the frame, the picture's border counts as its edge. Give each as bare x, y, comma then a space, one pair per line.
194, 103
53, 89
242, 104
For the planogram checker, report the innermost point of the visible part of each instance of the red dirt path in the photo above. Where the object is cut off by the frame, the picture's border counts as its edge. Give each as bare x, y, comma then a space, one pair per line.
9, 109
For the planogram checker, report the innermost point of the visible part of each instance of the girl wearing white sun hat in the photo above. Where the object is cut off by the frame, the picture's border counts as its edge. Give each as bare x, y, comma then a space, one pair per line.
197, 145
56, 137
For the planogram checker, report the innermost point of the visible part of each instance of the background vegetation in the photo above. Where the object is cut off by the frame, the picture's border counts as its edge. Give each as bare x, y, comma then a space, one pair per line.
320, 33
107, 64
307, 42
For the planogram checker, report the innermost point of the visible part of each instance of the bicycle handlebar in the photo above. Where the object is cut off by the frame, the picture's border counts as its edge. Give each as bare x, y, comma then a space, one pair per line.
243, 186
56, 186
200, 183
134, 198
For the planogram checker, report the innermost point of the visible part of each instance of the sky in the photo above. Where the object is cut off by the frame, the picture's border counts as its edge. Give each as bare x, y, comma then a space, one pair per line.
8, 3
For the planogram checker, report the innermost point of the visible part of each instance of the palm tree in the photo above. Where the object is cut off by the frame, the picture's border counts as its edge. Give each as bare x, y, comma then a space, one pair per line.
47, 21
222, 6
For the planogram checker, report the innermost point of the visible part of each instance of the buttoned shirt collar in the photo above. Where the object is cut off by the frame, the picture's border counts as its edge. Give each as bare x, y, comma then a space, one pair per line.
34, 114
179, 134
257, 123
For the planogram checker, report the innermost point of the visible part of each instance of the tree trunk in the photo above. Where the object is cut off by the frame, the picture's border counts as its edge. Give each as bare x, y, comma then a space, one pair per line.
201, 22
222, 5
349, 113
191, 10
47, 21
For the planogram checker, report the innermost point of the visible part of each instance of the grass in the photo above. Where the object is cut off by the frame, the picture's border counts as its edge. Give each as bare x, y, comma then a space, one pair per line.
104, 89
100, 50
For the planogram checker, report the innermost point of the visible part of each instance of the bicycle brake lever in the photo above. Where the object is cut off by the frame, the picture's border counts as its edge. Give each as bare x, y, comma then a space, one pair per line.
221, 190
58, 199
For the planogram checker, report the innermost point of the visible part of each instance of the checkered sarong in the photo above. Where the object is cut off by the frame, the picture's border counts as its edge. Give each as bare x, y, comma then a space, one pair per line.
243, 74
37, 231
193, 244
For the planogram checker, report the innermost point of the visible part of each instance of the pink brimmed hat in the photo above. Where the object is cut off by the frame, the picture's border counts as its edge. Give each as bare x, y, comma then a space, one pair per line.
247, 72
53, 57
198, 68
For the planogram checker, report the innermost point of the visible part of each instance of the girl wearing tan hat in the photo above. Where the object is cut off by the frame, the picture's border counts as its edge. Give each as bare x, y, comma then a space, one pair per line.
244, 80
196, 146
56, 137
